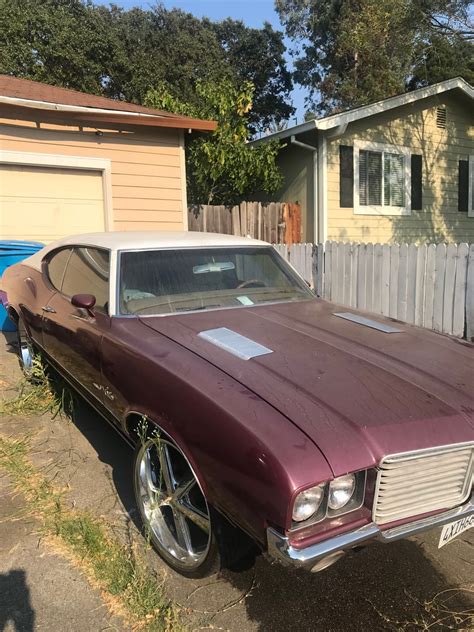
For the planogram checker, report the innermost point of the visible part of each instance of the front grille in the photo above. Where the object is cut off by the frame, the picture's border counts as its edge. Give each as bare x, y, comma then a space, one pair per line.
415, 483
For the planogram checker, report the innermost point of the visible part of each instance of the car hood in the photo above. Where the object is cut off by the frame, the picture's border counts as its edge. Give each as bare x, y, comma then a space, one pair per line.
357, 392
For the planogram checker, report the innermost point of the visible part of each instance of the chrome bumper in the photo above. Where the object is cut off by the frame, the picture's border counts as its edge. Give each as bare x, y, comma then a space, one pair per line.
279, 547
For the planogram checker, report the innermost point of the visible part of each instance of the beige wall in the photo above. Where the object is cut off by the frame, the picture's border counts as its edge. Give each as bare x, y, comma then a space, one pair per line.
414, 127
147, 168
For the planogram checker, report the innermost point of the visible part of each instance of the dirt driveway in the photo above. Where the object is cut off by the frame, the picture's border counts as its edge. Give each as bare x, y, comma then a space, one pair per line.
408, 585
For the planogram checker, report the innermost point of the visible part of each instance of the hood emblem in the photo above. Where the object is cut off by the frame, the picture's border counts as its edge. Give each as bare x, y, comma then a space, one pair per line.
232, 342
361, 320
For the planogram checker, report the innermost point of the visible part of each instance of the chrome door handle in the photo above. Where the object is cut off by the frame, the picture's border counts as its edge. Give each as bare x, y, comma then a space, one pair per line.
48, 309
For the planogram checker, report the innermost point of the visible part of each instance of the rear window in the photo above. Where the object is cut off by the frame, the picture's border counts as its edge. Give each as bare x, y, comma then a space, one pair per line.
170, 281
56, 266
88, 273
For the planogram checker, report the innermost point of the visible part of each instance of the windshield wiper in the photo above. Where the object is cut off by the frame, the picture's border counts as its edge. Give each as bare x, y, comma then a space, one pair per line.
195, 309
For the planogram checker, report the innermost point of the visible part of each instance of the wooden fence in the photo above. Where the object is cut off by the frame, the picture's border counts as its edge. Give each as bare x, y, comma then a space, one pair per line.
431, 286
275, 222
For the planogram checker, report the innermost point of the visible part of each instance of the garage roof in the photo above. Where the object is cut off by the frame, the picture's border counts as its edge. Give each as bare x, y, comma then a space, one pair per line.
22, 98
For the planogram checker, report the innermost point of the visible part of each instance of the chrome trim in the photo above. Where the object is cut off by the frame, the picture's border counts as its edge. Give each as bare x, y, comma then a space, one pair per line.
403, 458
280, 548
367, 322
232, 342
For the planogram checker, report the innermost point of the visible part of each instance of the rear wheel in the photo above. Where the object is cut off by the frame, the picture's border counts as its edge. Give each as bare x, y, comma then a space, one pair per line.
174, 509
26, 350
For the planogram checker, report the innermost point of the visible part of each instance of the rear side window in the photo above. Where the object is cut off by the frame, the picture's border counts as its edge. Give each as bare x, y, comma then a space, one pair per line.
56, 266
88, 273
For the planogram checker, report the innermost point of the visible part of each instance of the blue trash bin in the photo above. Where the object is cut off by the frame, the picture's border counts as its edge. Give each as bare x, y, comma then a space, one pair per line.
12, 252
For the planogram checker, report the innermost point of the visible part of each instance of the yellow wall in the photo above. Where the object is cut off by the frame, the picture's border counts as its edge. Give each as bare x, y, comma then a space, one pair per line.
414, 127
147, 167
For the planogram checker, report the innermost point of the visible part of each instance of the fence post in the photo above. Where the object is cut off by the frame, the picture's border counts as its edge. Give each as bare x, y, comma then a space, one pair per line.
470, 296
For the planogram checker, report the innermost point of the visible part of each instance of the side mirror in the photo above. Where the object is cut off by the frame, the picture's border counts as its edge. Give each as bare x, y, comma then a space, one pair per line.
84, 301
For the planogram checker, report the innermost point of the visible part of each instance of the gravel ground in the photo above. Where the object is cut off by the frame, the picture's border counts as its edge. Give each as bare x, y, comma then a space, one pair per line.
407, 585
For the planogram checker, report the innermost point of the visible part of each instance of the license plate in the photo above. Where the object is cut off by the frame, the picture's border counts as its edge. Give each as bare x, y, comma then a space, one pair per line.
453, 529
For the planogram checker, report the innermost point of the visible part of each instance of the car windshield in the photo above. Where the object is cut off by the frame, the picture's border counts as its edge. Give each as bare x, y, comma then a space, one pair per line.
174, 281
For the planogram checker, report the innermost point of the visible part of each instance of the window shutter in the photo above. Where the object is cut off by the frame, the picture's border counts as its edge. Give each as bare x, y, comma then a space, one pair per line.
346, 176
463, 186
416, 182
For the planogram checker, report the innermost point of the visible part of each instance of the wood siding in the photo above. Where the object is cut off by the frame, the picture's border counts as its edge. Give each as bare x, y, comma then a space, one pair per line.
146, 170
413, 127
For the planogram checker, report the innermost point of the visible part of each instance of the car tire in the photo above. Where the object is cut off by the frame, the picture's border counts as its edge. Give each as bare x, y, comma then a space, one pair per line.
26, 351
174, 511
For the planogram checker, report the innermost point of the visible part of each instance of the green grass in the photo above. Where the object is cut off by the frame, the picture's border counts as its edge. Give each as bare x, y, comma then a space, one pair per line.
121, 574
38, 395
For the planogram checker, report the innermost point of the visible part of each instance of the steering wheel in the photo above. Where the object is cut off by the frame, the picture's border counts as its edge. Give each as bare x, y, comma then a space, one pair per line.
251, 283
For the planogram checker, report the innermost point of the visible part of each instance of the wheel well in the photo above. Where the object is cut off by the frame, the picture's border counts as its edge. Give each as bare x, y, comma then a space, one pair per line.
13, 315
138, 425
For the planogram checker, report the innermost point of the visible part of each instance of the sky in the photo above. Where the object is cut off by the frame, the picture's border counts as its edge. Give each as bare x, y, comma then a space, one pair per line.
252, 12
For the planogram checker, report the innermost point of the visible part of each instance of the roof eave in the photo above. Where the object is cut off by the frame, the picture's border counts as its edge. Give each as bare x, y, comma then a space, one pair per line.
344, 118
91, 116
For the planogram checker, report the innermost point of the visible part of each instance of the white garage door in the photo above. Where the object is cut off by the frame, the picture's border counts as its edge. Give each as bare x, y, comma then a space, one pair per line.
45, 203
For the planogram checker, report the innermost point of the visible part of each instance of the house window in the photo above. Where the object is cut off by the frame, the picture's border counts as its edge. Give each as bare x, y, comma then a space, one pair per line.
383, 180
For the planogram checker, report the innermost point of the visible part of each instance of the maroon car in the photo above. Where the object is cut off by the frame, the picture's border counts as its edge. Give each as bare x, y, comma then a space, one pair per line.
254, 407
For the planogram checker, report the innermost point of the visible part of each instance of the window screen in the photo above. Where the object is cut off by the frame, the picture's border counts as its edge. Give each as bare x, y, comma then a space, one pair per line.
88, 273
56, 266
370, 178
381, 179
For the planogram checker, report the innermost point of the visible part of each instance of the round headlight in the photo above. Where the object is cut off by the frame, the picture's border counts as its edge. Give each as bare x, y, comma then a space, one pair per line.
307, 503
341, 490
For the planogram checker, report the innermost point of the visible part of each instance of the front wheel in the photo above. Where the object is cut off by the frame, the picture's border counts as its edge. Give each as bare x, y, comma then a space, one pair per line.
173, 508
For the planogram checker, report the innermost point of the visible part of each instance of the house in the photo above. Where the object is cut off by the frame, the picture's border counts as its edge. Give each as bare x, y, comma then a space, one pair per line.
399, 170
72, 162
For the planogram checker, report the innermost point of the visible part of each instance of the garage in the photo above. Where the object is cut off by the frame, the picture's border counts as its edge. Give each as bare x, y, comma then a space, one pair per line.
45, 203
72, 162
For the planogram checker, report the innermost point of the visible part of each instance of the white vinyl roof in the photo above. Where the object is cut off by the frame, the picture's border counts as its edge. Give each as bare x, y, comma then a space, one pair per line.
138, 240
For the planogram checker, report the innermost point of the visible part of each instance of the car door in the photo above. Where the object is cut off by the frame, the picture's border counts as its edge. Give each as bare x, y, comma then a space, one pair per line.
38, 289
71, 335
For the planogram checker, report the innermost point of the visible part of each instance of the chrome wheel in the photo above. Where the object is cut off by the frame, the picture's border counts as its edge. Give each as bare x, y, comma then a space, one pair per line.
172, 504
26, 350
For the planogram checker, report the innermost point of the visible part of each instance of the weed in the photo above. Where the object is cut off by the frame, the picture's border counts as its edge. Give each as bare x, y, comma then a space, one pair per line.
40, 393
119, 573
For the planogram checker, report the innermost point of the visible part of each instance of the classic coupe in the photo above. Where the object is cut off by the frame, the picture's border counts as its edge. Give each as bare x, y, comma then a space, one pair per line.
258, 412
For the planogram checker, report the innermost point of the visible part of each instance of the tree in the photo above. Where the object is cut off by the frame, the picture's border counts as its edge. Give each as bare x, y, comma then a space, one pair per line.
354, 52
258, 56
56, 41
222, 167
124, 53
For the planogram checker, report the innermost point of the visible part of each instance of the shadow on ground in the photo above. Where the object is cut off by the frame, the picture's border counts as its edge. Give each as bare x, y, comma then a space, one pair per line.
16, 613
382, 587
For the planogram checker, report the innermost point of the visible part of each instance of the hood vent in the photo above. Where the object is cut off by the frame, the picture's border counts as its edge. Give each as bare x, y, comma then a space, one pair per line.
232, 342
361, 320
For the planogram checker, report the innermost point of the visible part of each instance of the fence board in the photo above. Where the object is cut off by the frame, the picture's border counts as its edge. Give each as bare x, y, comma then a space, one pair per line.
440, 270
347, 293
402, 283
429, 286
420, 285
411, 282
361, 276
448, 298
385, 280
460, 287
369, 277
393, 285
377, 287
